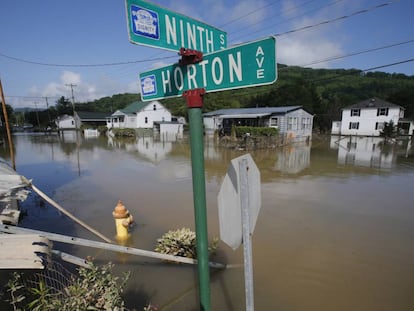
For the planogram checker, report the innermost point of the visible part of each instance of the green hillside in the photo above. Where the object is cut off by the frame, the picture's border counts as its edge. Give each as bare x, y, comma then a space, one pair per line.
322, 92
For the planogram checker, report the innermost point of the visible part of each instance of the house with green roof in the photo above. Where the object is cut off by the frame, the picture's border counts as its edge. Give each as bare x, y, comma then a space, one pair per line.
139, 115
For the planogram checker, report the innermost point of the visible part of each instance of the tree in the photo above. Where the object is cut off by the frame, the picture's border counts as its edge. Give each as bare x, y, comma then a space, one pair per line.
389, 130
64, 106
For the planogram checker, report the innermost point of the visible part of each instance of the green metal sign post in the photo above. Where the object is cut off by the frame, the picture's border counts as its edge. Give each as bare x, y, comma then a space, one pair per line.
246, 65
206, 66
152, 25
195, 102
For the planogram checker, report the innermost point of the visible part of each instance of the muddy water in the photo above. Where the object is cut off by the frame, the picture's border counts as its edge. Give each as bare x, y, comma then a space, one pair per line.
335, 231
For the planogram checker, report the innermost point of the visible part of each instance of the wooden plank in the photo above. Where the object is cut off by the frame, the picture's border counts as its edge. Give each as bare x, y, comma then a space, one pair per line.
106, 246
23, 251
9, 216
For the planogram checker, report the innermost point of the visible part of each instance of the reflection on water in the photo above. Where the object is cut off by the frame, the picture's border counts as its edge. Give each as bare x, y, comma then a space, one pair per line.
372, 152
146, 147
293, 159
334, 232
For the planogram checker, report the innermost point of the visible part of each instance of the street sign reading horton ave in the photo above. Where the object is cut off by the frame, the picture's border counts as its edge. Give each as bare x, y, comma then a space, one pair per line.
249, 64
152, 25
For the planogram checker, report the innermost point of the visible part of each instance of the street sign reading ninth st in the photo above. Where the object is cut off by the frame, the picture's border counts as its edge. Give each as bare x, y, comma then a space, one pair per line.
246, 65
152, 25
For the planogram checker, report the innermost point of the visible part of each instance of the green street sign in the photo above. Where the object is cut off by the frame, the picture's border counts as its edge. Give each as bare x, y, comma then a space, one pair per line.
246, 65
152, 25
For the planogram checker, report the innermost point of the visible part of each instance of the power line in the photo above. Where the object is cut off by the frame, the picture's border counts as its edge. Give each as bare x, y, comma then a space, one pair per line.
294, 17
163, 58
82, 65
335, 19
389, 65
264, 90
31, 97
250, 13
357, 53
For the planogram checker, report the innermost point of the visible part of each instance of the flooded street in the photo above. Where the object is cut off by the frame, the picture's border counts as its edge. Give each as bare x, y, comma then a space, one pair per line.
335, 230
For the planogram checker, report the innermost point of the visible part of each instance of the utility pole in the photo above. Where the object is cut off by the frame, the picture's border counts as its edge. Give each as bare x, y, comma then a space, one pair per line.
48, 112
37, 115
73, 102
6, 120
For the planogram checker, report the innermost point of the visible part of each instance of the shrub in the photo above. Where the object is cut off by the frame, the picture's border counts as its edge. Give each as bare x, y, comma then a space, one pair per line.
181, 242
95, 288
124, 132
255, 131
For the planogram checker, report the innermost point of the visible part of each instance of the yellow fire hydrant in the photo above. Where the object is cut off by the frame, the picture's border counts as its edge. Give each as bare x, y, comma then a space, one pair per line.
122, 221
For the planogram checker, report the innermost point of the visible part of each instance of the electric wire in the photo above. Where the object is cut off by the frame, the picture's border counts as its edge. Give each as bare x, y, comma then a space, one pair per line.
251, 12
84, 65
335, 19
357, 53
168, 57
278, 34
289, 19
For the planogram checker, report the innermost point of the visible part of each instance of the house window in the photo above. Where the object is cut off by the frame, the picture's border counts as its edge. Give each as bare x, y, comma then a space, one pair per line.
379, 125
154, 107
353, 125
121, 119
295, 124
306, 123
146, 119
382, 112
73, 123
273, 121
355, 112
292, 123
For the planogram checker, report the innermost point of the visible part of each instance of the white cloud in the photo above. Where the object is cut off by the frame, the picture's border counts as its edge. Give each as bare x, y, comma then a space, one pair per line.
312, 45
303, 51
83, 91
69, 77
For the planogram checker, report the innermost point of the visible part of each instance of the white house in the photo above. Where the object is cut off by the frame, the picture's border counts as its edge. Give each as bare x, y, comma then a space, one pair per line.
367, 118
65, 122
294, 122
139, 115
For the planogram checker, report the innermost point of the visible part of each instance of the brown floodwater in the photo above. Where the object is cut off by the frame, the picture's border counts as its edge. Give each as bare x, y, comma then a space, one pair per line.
335, 230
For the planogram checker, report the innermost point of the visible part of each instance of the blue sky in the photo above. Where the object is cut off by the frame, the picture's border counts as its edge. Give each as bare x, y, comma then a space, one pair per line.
94, 32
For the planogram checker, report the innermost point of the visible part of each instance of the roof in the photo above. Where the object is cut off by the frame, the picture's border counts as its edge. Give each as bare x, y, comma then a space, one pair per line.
244, 115
135, 107
89, 115
373, 103
64, 117
260, 111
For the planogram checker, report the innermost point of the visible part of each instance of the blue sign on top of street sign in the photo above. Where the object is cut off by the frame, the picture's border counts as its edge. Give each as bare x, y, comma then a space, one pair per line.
246, 65
152, 25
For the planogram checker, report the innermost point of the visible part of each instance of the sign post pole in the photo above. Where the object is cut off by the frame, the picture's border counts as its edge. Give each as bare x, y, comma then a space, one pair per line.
195, 102
247, 236
239, 202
